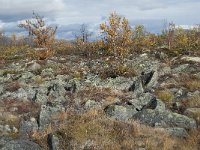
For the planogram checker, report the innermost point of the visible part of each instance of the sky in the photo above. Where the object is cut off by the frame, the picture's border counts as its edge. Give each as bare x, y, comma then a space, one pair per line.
68, 15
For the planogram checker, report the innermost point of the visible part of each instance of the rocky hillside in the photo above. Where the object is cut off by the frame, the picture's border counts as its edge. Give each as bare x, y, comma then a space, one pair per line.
72, 102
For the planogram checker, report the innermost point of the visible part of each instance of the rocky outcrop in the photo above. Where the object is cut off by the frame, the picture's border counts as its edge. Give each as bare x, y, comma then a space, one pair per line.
130, 99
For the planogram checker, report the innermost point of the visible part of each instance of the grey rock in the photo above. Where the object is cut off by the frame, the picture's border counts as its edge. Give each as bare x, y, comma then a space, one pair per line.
14, 130
47, 72
1, 73
27, 127
194, 59
71, 86
180, 68
4, 140
31, 93
1, 128
152, 104
40, 95
21, 94
1, 90
45, 117
91, 104
136, 86
163, 70
7, 128
35, 67
119, 83
53, 142
193, 113
164, 119
198, 75
145, 99
161, 55
149, 79
59, 90
21, 145
120, 112
177, 132
26, 75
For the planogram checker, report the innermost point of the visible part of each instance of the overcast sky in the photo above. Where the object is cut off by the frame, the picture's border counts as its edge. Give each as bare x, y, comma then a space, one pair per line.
68, 15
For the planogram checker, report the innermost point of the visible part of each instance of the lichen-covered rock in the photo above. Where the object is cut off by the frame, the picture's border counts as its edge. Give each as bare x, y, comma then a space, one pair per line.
149, 79
164, 119
137, 86
46, 114
120, 112
180, 68
177, 132
193, 113
21, 145
194, 59
92, 104
47, 72
53, 142
146, 99
119, 83
27, 127
34, 67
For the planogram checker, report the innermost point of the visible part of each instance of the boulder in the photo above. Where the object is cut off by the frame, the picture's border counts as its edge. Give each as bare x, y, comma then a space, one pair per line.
120, 112
194, 59
177, 132
164, 119
21, 145
145, 100
27, 127
180, 68
46, 114
136, 87
193, 113
34, 67
149, 79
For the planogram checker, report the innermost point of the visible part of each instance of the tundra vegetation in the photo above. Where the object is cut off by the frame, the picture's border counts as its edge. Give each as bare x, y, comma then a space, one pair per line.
118, 39
128, 89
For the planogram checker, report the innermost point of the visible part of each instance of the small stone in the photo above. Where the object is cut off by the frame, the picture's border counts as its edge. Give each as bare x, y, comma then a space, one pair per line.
90, 104
53, 141
7, 128
35, 67
13, 109
14, 129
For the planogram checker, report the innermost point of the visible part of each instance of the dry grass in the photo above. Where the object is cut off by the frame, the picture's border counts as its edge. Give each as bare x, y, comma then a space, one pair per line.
164, 95
192, 102
193, 85
114, 70
188, 81
12, 87
93, 130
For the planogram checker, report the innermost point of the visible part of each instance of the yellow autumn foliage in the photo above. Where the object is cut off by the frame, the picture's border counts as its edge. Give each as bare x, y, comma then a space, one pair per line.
117, 35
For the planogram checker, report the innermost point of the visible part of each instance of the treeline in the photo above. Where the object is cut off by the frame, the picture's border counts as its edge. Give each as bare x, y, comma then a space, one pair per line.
117, 39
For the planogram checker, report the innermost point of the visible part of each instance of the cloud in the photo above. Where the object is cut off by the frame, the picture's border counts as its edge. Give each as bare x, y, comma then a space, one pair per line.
22, 9
69, 14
